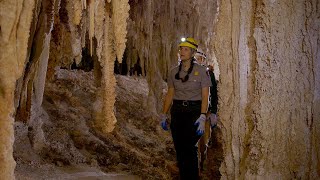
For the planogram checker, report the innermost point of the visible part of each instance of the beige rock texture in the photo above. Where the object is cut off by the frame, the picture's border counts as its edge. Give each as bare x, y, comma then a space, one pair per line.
15, 23
25, 49
268, 54
88, 27
120, 14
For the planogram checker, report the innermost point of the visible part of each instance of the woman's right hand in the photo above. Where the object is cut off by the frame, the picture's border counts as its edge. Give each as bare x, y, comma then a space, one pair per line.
164, 123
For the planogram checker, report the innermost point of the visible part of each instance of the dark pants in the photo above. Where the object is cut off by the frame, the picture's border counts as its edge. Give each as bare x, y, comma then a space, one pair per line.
185, 138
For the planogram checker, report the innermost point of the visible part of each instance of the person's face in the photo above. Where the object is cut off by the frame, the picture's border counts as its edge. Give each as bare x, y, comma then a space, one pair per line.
200, 60
211, 68
185, 53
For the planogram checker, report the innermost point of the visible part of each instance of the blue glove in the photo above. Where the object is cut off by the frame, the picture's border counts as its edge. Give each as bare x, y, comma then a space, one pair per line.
213, 120
201, 121
164, 123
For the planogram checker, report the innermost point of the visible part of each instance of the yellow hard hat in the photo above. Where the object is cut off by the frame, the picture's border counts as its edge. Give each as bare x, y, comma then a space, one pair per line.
189, 42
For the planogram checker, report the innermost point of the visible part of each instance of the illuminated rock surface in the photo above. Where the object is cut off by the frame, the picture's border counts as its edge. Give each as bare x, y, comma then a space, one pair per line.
64, 114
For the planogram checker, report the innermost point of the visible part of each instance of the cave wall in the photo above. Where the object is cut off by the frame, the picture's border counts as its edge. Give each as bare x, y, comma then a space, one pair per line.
15, 22
268, 52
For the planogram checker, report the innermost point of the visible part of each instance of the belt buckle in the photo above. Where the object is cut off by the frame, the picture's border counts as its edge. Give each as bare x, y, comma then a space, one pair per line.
184, 103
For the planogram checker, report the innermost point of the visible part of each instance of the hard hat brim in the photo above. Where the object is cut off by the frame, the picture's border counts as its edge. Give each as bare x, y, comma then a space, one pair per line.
186, 44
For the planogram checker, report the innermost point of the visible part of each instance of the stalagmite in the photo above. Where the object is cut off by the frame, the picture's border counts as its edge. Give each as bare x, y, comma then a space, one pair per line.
107, 35
108, 120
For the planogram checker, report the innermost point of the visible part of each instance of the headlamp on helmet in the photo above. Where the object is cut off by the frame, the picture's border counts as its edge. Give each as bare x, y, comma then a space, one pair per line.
189, 42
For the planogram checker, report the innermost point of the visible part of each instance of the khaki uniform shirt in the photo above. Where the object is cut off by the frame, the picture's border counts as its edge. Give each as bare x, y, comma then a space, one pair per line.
191, 89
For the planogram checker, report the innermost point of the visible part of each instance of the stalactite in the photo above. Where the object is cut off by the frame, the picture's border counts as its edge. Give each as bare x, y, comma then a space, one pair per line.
40, 75
77, 11
75, 17
84, 4
120, 14
99, 19
84, 30
68, 40
91, 22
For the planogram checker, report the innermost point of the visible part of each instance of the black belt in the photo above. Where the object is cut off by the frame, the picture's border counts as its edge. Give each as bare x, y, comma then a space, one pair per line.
187, 103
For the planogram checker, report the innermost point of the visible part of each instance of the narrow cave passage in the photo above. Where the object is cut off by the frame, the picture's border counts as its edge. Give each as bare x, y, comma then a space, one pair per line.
83, 83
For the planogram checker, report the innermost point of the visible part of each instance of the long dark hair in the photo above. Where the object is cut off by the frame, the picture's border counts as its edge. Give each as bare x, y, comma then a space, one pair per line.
185, 78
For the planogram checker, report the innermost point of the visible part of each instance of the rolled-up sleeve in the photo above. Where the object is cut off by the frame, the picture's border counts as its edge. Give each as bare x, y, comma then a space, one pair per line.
170, 80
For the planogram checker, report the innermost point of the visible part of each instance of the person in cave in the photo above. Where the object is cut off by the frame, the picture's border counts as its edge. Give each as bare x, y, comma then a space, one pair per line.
188, 93
211, 122
213, 106
213, 103
201, 58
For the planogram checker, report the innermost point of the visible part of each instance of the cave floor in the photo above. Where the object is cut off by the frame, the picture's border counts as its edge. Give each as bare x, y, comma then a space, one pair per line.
60, 143
69, 172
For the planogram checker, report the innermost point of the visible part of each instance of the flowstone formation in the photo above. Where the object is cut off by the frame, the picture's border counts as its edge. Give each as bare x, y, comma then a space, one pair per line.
268, 52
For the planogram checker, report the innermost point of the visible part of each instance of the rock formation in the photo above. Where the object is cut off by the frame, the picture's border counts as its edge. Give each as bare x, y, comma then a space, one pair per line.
268, 54
16, 17
267, 57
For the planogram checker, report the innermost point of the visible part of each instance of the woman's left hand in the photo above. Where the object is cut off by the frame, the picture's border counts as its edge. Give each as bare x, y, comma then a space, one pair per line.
213, 120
